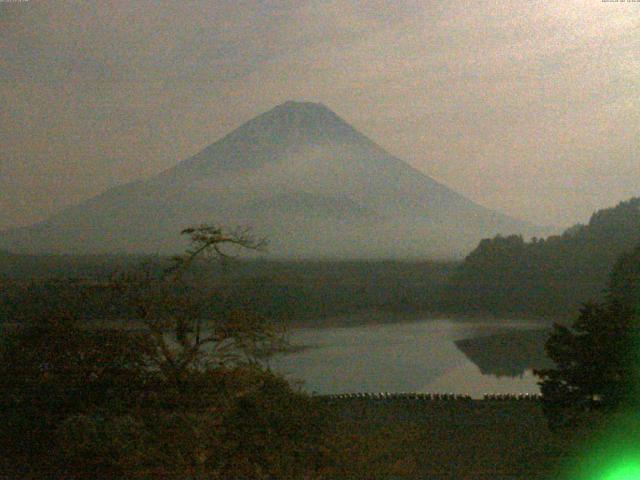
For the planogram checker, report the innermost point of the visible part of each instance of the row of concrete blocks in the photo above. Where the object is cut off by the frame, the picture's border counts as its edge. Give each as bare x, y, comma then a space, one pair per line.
430, 396
512, 396
398, 396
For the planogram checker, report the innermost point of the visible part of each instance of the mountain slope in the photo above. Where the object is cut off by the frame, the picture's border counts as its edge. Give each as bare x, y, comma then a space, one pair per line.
297, 174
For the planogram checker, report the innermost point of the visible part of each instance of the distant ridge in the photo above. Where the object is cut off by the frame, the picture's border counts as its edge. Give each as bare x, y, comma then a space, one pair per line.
298, 174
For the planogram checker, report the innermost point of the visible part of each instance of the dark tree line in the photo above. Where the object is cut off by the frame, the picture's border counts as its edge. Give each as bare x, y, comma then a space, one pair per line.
545, 277
299, 292
177, 394
597, 359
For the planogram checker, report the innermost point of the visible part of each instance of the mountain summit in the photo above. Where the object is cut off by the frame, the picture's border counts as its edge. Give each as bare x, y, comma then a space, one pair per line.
267, 136
297, 174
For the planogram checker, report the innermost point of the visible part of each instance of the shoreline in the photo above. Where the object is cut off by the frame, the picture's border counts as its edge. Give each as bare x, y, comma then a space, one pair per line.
387, 317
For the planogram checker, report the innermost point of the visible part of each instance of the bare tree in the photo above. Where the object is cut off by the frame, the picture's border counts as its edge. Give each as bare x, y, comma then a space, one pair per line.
174, 308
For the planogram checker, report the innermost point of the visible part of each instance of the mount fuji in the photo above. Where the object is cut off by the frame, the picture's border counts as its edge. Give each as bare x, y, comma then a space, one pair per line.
298, 175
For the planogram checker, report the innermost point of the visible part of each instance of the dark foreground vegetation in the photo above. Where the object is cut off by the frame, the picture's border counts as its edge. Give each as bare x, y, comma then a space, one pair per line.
597, 359
82, 404
180, 392
177, 394
439, 439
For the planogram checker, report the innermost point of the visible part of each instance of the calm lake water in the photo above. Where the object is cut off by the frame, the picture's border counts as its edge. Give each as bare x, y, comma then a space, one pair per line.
418, 356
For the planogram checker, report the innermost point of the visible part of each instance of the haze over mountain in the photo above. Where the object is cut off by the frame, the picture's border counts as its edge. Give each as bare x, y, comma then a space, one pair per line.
297, 174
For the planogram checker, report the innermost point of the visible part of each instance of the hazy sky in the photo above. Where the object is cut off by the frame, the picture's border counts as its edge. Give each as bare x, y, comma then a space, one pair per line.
529, 107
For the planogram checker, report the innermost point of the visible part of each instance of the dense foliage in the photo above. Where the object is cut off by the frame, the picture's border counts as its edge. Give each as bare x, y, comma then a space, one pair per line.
83, 403
545, 277
597, 358
303, 292
176, 394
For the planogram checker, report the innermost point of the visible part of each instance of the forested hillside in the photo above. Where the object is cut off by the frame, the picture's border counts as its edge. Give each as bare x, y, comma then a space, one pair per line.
553, 276
300, 293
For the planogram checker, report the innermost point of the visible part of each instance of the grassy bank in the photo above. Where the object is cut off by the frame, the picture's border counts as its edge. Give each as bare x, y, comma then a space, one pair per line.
469, 439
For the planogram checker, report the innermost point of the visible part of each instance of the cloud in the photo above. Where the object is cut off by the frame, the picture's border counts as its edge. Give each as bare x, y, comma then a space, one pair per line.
529, 107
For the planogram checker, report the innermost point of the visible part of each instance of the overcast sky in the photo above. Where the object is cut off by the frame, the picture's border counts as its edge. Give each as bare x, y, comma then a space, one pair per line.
529, 107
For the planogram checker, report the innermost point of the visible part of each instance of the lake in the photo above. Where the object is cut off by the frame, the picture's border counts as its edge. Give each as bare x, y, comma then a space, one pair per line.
416, 356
